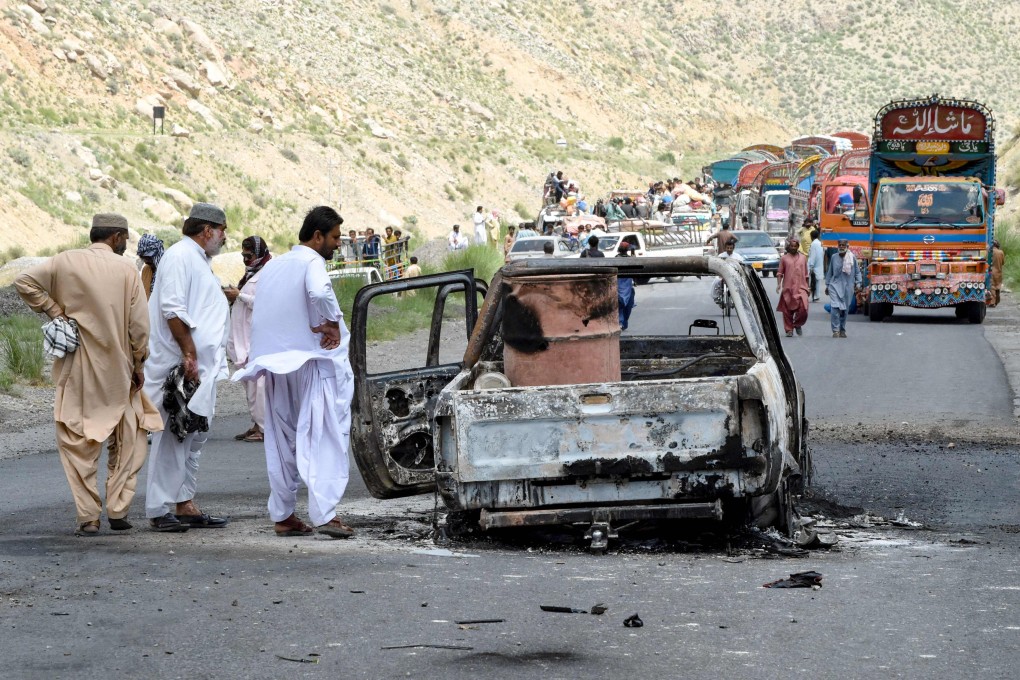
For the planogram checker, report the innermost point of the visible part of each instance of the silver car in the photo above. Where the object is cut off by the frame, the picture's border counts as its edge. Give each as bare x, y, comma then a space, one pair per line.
534, 246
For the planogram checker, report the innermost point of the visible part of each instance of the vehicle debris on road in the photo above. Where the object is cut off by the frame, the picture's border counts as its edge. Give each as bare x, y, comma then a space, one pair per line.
802, 579
633, 621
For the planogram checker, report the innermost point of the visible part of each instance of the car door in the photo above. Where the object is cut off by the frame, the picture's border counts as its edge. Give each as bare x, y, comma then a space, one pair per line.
393, 406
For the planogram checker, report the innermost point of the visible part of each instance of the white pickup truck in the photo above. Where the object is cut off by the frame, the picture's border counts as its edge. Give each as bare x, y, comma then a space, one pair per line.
651, 243
690, 425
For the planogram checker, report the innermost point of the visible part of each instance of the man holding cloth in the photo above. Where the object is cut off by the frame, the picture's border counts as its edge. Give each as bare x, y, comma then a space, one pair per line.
299, 343
98, 393
842, 279
189, 317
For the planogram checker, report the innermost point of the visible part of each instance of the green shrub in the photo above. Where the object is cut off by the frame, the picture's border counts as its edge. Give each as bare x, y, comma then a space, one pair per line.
667, 158
290, 155
21, 349
615, 143
485, 260
20, 156
523, 211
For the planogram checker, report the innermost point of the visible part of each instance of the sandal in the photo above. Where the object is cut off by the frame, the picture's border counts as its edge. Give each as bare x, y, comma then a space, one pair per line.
256, 436
246, 433
335, 528
292, 526
88, 528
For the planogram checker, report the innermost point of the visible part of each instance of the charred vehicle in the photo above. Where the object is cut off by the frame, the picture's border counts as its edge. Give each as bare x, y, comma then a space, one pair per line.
553, 416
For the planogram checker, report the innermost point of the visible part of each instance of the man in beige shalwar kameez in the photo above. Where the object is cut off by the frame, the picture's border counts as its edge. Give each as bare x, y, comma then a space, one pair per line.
98, 386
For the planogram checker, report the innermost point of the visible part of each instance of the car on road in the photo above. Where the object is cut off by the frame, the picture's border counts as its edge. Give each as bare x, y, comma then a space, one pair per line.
758, 250
534, 246
552, 416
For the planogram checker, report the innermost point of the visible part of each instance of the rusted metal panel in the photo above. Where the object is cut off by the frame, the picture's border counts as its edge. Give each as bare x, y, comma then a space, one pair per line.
524, 518
548, 320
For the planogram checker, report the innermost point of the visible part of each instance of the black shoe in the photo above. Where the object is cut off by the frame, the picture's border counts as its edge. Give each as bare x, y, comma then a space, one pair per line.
120, 524
167, 523
202, 521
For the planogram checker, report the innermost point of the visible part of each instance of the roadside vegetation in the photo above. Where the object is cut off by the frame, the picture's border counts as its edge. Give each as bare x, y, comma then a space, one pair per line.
394, 315
21, 351
1009, 239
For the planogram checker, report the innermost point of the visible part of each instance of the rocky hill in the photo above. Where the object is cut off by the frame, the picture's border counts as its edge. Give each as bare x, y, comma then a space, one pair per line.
411, 112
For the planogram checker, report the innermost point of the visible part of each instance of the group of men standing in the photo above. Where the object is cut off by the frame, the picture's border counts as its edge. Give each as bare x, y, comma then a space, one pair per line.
143, 367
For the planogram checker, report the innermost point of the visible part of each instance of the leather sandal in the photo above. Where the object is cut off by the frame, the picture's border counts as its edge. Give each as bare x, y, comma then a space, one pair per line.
335, 528
202, 521
292, 526
119, 523
88, 528
246, 433
255, 436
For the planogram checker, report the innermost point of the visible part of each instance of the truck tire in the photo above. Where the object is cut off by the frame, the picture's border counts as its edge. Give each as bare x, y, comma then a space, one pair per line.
976, 312
877, 311
961, 310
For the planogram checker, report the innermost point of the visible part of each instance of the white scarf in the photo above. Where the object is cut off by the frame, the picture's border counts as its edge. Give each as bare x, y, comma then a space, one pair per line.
848, 262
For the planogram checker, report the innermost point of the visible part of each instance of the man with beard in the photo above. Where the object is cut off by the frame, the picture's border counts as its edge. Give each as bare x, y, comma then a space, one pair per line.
842, 279
792, 286
98, 395
299, 343
188, 317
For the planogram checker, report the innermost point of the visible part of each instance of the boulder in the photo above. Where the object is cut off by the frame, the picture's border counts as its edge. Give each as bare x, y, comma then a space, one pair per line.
95, 174
96, 66
200, 40
71, 56
205, 113
256, 125
39, 6
214, 73
180, 199
143, 106
185, 82
161, 210
376, 129
72, 196
108, 182
59, 54
180, 131
167, 27
72, 45
35, 20
481, 111
87, 157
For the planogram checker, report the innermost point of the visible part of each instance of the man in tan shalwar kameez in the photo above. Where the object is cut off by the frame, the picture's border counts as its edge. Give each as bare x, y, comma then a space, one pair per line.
98, 386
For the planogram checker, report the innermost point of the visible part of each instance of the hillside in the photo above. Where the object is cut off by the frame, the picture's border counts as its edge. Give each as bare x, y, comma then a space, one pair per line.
411, 112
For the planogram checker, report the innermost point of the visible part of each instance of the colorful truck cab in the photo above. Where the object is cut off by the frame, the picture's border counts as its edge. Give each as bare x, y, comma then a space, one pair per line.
932, 208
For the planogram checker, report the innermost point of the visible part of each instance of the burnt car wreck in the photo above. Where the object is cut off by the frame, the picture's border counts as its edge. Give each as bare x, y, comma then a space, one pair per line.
553, 416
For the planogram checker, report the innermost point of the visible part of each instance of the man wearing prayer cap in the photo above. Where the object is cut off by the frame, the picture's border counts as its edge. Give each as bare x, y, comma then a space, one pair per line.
98, 393
189, 316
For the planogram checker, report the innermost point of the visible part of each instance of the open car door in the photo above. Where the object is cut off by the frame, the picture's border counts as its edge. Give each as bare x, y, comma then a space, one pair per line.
394, 403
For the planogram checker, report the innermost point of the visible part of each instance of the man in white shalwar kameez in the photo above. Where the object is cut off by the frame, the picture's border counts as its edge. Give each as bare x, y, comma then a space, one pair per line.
299, 343
188, 319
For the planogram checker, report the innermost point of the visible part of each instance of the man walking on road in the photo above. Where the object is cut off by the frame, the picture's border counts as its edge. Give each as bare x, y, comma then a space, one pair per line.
479, 221
842, 279
816, 264
792, 286
998, 261
299, 343
98, 394
189, 318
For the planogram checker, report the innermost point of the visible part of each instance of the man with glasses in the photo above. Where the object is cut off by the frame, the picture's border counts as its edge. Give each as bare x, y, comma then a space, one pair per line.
188, 319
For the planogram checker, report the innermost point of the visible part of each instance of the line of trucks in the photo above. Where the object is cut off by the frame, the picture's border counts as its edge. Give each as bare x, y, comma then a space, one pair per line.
916, 200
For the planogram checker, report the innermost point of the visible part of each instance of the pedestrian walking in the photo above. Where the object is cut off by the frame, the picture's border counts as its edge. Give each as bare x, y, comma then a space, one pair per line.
188, 317
150, 249
299, 343
842, 279
998, 262
255, 254
625, 288
792, 286
97, 297
816, 264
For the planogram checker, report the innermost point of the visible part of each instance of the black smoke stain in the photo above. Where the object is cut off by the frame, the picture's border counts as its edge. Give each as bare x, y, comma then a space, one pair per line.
521, 328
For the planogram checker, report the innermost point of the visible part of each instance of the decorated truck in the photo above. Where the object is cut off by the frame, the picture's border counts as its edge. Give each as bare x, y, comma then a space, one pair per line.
931, 186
